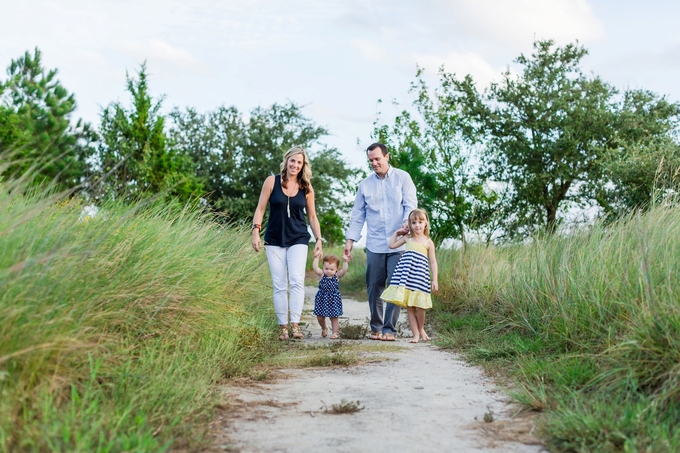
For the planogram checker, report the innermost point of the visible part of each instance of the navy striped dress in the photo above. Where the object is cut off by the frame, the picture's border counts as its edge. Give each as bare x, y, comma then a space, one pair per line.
410, 284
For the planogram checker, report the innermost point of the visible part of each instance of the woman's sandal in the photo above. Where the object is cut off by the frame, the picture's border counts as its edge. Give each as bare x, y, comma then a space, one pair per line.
284, 333
297, 333
335, 336
324, 332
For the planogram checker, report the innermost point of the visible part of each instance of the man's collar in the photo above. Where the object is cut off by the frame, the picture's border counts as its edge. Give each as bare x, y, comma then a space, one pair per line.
388, 173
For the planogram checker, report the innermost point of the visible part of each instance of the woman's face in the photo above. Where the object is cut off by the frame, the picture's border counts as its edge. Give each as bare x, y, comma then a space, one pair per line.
295, 164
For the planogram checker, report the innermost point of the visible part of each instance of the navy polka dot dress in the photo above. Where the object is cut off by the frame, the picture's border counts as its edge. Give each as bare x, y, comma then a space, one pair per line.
328, 301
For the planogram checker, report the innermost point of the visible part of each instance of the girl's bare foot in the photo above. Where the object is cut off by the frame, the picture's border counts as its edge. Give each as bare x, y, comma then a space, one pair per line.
415, 340
424, 336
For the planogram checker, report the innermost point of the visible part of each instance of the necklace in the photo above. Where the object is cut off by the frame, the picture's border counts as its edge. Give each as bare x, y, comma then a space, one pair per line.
288, 206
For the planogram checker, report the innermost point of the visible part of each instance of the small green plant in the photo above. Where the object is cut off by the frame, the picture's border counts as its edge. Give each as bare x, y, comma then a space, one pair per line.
353, 331
346, 407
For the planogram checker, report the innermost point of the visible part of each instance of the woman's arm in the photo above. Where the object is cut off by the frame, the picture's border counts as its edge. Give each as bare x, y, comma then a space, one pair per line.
314, 223
398, 238
266, 192
434, 269
315, 265
341, 273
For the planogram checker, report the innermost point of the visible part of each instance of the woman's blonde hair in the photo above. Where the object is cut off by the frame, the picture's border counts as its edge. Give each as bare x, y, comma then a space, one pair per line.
420, 214
305, 176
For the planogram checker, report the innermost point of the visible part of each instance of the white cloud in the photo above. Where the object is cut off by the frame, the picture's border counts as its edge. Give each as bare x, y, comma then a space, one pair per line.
159, 51
371, 50
517, 21
462, 64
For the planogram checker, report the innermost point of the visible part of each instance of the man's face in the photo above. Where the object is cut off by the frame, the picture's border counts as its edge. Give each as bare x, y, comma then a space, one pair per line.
378, 162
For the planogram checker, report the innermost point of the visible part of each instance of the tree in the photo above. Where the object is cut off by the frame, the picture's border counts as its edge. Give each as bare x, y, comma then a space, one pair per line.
546, 132
642, 167
36, 133
433, 149
234, 157
134, 157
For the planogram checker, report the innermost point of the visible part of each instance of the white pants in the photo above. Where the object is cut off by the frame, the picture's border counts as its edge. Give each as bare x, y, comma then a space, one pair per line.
287, 265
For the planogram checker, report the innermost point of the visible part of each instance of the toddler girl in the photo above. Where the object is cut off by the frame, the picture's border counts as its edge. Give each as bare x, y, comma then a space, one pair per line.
410, 284
328, 302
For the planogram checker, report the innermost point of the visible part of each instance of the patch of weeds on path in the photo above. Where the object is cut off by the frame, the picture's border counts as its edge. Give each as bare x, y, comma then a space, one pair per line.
353, 331
345, 407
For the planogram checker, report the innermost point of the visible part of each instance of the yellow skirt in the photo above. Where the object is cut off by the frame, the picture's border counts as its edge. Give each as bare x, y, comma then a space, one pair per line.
399, 295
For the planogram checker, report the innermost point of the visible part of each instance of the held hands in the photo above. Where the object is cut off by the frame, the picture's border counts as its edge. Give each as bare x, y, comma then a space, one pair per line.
318, 250
347, 252
403, 231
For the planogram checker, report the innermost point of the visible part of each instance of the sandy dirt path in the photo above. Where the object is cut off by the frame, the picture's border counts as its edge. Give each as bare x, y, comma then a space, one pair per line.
416, 398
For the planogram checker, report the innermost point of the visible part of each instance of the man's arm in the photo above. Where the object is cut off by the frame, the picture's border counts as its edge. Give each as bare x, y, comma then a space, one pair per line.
356, 223
409, 199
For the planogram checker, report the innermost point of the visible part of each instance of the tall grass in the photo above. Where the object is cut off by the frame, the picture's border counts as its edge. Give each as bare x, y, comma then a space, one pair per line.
114, 329
589, 325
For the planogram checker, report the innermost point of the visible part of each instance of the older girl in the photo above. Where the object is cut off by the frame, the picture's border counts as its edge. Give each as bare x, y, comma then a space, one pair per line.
286, 238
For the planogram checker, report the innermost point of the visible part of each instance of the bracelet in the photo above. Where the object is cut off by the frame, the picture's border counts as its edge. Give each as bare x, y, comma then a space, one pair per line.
256, 225
317, 239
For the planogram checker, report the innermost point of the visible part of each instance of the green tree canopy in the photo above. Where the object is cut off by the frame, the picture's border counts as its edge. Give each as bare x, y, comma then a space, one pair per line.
36, 133
233, 157
432, 148
134, 157
549, 130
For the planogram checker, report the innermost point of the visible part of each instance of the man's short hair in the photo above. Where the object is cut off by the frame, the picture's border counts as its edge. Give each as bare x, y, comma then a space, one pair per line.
382, 147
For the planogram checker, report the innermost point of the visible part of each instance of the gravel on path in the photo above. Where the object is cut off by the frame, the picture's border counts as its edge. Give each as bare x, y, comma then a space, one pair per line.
415, 399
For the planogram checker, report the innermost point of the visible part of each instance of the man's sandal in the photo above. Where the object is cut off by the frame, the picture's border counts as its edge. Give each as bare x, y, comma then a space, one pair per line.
284, 333
388, 337
375, 336
297, 333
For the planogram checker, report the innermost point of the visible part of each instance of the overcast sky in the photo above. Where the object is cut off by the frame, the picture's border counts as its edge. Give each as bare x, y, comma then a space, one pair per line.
336, 57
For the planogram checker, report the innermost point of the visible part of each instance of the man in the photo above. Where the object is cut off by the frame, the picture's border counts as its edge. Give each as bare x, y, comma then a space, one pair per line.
384, 200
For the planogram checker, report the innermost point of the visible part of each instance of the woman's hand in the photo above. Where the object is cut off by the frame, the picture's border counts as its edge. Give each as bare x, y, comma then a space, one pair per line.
256, 243
318, 250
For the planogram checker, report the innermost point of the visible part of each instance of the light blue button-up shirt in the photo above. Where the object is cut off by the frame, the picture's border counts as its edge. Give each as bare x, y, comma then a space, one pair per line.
384, 204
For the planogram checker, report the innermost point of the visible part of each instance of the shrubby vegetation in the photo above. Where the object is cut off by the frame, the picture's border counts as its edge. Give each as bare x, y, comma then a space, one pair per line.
115, 329
588, 325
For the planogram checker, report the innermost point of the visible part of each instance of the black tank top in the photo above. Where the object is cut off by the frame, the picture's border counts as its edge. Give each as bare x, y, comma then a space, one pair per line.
285, 230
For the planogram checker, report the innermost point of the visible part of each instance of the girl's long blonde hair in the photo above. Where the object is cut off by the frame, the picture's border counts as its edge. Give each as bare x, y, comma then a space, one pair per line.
304, 178
420, 214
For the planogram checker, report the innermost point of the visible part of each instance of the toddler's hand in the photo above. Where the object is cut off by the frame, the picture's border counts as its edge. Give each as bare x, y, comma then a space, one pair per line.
345, 258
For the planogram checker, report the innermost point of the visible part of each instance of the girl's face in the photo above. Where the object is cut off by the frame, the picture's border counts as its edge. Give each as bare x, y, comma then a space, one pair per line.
417, 225
295, 164
329, 269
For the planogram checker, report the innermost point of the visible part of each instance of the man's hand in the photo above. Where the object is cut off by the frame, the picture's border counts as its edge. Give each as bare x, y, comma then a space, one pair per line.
347, 252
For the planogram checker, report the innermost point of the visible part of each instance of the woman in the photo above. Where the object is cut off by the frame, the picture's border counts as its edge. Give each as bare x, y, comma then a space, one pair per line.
286, 238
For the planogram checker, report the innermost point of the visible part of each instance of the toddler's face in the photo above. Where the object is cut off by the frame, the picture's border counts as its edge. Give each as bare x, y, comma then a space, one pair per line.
329, 269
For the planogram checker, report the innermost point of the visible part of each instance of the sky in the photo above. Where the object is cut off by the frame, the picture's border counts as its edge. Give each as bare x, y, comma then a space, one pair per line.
337, 58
